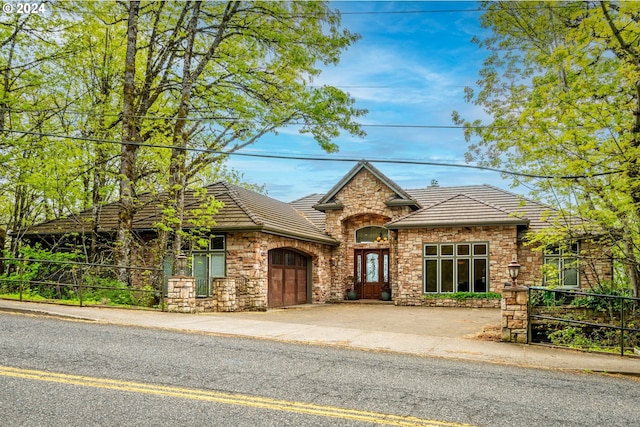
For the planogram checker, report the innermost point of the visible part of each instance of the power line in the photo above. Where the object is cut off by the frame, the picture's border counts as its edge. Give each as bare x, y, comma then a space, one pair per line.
312, 158
233, 119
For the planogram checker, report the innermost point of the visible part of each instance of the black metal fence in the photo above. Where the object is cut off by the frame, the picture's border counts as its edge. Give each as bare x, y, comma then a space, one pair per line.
71, 282
583, 320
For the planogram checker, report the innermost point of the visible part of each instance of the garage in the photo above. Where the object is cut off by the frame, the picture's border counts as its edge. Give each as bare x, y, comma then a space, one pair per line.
288, 272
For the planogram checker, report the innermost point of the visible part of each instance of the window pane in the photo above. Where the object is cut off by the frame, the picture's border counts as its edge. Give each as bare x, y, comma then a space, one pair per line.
289, 258
277, 257
373, 268
464, 250
551, 271
217, 243
480, 249
446, 249
385, 268
359, 268
431, 275
371, 234
463, 275
447, 275
479, 275
217, 265
431, 250
570, 272
302, 261
199, 267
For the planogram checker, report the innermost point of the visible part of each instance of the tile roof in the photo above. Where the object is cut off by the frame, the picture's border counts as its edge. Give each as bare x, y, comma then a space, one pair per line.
458, 206
305, 205
243, 210
460, 210
515, 205
247, 210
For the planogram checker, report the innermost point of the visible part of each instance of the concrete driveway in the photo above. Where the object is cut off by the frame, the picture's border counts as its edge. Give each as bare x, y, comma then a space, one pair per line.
425, 321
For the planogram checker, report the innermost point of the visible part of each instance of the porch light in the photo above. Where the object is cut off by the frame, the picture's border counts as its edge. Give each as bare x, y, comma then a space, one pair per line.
182, 264
514, 270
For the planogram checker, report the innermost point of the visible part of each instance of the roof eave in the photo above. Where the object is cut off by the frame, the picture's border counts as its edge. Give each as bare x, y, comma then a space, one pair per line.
322, 207
402, 202
392, 226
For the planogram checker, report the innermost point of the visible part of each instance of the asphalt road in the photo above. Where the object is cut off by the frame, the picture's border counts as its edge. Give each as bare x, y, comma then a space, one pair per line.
55, 372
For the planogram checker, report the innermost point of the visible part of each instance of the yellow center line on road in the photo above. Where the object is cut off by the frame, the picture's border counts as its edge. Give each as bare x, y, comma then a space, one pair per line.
227, 398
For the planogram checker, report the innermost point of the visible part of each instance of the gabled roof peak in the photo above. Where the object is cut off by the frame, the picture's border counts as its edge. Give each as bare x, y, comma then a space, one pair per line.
400, 195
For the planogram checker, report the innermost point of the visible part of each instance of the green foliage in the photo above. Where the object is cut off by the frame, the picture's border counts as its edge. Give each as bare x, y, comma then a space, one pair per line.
464, 295
546, 298
560, 84
209, 77
41, 274
571, 337
611, 306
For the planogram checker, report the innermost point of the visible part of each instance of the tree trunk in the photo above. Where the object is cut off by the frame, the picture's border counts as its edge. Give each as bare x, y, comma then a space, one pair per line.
129, 149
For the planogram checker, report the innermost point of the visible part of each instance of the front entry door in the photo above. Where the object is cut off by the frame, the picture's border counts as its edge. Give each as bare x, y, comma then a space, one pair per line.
371, 272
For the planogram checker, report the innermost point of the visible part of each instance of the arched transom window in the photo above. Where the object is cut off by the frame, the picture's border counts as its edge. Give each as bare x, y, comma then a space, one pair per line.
372, 234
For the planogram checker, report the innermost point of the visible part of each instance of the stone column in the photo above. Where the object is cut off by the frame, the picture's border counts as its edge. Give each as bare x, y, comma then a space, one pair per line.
225, 291
515, 314
181, 294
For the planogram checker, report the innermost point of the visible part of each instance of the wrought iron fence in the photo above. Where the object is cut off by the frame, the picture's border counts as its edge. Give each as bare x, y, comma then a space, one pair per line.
72, 282
583, 320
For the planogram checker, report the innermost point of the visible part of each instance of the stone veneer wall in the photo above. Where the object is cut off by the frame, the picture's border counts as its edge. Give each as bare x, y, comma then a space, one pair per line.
408, 274
248, 270
363, 200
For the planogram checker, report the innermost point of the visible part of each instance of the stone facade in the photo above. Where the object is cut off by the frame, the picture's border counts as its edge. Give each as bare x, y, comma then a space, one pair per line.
409, 243
245, 287
363, 201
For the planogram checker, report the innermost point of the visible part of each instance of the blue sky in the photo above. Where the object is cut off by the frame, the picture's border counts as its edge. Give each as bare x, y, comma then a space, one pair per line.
409, 69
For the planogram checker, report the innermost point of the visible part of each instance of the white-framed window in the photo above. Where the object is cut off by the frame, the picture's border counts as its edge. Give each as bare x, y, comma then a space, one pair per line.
456, 267
204, 264
372, 234
561, 266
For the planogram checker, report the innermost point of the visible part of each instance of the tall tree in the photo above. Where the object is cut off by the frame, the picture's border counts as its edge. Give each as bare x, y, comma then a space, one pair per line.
221, 75
32, 187
562, 86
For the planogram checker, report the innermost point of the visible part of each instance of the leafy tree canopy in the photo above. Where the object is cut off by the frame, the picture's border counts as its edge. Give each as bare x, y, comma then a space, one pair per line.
561, 85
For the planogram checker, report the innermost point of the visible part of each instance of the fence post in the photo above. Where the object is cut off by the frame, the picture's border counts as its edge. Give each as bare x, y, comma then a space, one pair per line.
622, 300
20, 275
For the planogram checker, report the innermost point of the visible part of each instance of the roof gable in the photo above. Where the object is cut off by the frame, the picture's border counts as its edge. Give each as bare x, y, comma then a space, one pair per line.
400, 198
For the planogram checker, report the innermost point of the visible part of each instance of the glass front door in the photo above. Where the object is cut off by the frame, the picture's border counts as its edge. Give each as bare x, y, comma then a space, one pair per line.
371, 272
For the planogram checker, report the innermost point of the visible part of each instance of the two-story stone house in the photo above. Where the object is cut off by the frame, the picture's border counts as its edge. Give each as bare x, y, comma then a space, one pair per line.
368, 233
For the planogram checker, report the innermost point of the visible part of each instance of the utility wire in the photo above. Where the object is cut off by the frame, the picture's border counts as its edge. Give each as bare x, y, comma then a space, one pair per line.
312, 158
232, 119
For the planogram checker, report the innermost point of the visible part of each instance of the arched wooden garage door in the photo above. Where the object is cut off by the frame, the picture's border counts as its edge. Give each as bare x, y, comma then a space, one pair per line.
287, 278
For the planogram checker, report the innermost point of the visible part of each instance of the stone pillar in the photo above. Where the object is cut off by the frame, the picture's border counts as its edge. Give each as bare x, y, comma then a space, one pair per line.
225, 291
514, 314
181, 294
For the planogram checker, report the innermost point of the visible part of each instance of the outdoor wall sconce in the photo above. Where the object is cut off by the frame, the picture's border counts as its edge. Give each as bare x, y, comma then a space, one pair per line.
182, 264
514, 270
